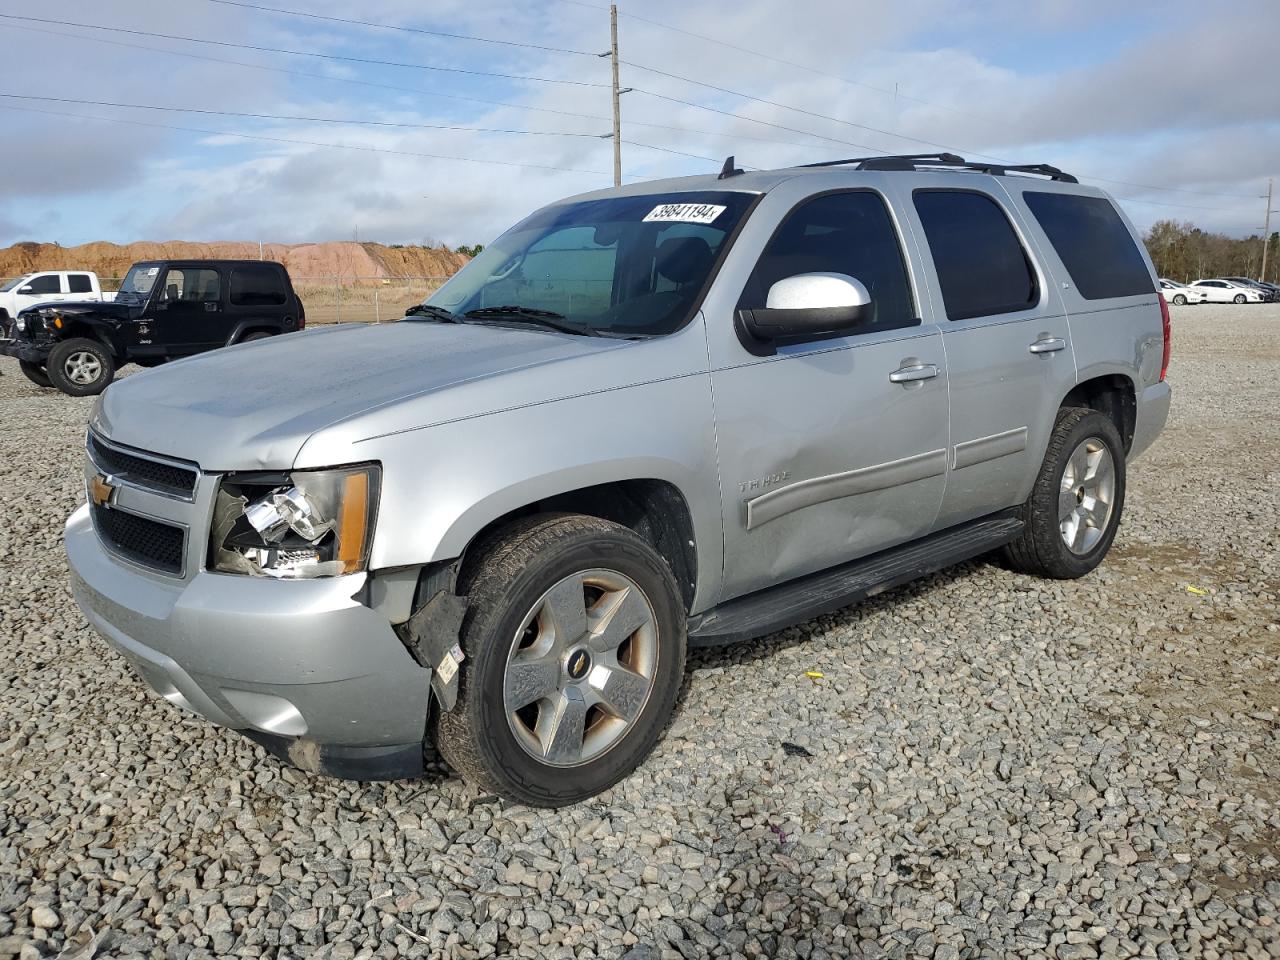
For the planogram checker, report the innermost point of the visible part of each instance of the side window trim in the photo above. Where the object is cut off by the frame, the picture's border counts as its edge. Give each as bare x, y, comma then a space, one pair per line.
1039, 275
907, 266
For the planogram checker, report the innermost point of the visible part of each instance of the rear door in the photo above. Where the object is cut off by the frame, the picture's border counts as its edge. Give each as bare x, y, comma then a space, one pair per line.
187, 312
824, 458
1007, 340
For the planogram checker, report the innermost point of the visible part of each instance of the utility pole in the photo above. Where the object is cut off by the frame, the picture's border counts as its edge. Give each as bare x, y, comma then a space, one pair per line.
1266, 229
617, 96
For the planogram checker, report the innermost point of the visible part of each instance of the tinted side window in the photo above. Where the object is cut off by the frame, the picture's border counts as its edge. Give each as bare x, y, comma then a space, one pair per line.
79, 283
190, 285
848, 233
981, 265
253, 286
45, 284
1093, 242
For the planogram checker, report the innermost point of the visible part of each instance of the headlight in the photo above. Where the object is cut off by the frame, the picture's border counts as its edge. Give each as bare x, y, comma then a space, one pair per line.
314, 523
20, 324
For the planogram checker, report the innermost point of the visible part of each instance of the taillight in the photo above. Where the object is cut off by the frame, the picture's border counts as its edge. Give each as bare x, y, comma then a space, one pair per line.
1164, 321
302, 323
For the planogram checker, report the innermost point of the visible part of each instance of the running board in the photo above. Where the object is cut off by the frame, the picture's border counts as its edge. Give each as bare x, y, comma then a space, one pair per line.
819, 593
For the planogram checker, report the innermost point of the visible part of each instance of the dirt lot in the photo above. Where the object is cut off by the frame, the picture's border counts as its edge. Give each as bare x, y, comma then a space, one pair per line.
990, 765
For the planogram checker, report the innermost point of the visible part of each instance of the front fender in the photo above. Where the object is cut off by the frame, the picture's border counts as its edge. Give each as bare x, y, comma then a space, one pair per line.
442, 485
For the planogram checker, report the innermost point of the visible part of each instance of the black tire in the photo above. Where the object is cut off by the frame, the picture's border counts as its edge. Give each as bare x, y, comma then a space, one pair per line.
256, 335
35, 373
1041, 549
66, 355
1239, 298
1180, 299
504, 581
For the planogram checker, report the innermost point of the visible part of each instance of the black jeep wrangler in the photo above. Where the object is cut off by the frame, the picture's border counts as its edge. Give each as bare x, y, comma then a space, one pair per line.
165, 309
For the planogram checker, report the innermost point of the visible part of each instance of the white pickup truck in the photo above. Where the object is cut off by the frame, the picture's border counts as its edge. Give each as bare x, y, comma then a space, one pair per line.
49, 286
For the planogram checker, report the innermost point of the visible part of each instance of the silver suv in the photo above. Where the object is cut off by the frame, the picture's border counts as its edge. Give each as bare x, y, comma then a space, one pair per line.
689, 412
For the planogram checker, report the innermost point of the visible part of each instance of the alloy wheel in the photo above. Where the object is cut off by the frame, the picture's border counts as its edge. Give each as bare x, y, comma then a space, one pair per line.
82, 367
1086, 495
581, 667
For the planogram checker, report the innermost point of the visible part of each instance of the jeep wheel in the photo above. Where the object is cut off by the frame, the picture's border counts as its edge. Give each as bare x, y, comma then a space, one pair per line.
35, 373
81, 367
256, 335
575, 645
1074, 508
1180, 299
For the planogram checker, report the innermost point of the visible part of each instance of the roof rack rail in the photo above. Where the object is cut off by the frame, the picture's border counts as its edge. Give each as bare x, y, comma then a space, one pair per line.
914, 161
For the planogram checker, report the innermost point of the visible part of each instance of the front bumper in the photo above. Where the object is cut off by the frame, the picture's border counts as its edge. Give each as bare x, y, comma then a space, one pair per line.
319, 678
26, 350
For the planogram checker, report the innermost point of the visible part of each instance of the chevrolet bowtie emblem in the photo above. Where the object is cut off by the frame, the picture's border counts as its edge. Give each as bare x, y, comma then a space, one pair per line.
101, 489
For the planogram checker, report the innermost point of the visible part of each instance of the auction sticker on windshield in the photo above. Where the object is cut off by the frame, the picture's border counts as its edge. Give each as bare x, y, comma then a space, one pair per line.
684, 213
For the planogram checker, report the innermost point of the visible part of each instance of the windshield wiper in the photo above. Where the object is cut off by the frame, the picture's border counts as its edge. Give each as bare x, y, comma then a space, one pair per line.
545, 318
432, 313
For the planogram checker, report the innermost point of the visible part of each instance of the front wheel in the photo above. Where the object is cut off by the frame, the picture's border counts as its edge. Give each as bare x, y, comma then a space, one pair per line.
1239, 298
1074, 509
81, 367
575, 645
1180, 299
35, 373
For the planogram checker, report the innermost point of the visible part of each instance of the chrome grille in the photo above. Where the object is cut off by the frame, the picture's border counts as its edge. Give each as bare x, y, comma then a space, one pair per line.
163, 476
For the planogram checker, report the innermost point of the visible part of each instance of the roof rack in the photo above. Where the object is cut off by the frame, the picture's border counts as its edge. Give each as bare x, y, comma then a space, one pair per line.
915, 161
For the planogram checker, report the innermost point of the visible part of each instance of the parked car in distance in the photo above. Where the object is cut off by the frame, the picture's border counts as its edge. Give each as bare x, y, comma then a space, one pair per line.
687, 412
165, 309
1227, 291
48, 286
1268, 294
1180, 294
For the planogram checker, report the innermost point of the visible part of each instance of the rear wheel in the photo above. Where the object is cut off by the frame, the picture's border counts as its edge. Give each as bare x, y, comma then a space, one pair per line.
256, 335
81, 367
1239, 298
1180, 299
35, 373
1074, 509
575, 645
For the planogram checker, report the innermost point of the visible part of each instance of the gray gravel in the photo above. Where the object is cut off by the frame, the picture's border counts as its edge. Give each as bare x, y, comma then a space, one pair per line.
999, 766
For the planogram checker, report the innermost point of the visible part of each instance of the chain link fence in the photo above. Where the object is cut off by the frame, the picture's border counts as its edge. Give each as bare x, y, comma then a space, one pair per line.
344, 299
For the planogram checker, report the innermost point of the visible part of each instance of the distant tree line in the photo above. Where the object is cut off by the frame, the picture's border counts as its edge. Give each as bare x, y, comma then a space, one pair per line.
1184, 252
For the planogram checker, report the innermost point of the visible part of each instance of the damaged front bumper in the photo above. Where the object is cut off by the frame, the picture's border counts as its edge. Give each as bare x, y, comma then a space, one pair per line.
301, 666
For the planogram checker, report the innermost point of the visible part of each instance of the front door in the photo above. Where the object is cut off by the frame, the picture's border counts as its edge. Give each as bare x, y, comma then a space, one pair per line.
185, 314
831, 449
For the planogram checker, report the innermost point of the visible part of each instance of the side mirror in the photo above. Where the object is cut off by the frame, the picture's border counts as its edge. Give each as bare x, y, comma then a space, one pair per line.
808, 306
27, 289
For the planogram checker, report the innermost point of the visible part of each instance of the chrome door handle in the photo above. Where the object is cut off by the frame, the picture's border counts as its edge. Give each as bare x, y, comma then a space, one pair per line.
1048, 345
921, 371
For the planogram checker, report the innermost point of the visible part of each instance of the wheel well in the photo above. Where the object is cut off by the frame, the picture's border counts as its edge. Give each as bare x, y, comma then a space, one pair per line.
1112, 395
88, 332
653, 509
250, 330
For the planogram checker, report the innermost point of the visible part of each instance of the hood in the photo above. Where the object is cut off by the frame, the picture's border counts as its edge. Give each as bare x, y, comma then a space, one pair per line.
253, 406
99, 308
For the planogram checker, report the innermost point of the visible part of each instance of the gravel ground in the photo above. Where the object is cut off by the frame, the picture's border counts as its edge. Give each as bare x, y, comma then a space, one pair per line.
989, 766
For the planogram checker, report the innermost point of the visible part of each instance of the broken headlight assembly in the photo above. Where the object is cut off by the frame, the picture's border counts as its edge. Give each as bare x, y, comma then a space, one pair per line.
296, 525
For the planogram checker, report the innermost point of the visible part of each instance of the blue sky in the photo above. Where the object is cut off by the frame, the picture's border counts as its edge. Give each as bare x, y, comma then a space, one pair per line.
1173, 107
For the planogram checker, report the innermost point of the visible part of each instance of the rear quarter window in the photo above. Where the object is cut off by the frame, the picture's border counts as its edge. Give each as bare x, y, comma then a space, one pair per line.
254, 286
1093, 243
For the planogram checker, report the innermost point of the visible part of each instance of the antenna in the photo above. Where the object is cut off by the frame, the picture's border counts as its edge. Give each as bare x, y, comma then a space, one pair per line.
729, 170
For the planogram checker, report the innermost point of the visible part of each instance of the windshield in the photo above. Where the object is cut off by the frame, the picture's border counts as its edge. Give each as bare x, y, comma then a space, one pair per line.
138, 282
623, 266
13, 283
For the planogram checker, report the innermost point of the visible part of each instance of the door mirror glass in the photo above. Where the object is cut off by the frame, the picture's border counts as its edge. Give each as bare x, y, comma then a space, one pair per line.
809, 306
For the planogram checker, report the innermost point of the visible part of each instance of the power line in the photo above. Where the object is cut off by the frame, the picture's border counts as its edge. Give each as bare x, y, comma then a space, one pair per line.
302, 119
416, 91
307, 143
306, 53
402, 29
